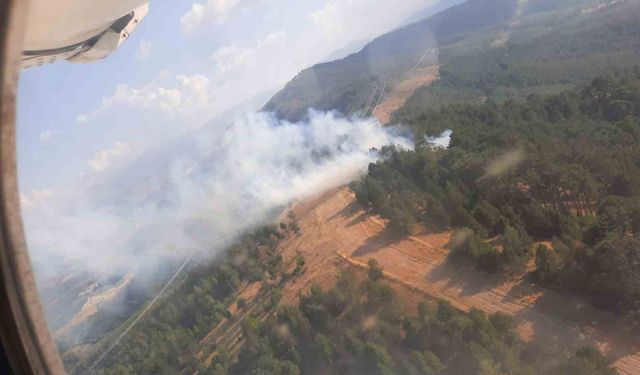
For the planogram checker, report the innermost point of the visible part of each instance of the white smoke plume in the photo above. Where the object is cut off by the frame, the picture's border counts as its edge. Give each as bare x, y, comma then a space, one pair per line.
185, 195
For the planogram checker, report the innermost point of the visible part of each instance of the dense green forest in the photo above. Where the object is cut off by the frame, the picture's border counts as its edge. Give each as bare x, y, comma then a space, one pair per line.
563, 168
358, 328
165, 341
534, 62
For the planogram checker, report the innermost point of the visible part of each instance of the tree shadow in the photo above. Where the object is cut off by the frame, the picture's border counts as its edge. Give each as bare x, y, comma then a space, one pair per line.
425, 230
379, 241
556, 324
523, 289
347, 211
358, 219
464, 276
562, 323
353, 210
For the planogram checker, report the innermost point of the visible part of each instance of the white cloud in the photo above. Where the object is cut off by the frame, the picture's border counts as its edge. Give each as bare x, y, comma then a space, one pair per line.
237, 74
241, 70
81, 119
182, 94
230, 58
195, 90
46, 136
164, 73
213, 11
328, 19
149, 96
35, 199
103, 159
144, 50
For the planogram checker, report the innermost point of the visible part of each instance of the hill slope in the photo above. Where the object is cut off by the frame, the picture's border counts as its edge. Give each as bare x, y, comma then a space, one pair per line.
333, 225
344, 84
481, 46
538, 57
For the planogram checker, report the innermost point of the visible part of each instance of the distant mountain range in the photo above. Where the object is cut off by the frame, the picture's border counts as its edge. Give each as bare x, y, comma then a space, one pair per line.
431, 10
357, 45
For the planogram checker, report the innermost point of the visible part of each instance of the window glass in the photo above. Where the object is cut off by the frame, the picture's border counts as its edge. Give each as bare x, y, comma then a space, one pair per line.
324, 186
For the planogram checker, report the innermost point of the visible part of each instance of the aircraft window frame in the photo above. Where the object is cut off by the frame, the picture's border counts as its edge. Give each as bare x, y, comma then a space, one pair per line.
24, 334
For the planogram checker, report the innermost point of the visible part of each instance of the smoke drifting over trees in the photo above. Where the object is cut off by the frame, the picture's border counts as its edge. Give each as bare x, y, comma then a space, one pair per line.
194, 194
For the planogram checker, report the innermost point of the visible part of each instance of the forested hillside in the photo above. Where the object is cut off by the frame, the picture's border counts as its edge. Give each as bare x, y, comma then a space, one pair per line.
485, 48
344, 85
358, 328
561, 169
538, 59
167, 339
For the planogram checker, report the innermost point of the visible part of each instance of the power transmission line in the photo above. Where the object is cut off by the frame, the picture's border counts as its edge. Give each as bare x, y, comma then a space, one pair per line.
137, 319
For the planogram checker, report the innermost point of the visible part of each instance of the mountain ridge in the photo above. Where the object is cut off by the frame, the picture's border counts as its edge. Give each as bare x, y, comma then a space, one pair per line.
461, 30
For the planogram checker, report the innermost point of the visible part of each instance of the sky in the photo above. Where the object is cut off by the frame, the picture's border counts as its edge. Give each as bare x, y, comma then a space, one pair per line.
185, 64
84, 130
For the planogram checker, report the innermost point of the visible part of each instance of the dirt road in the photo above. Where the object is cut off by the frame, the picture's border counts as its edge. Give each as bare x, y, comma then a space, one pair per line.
396, 96
336, 231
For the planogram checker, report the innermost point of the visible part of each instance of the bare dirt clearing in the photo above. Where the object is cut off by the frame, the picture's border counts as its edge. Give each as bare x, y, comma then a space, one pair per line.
336, 231
400, 92
93, 304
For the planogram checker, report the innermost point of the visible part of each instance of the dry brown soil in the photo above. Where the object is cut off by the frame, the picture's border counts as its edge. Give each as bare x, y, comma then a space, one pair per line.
335, 230
93, 304
395, 98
